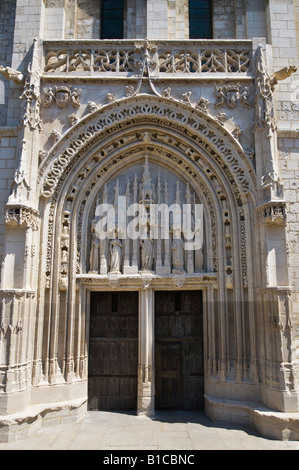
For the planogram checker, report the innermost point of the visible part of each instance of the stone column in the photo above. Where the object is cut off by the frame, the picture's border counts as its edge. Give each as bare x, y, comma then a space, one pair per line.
146, 370
278, 362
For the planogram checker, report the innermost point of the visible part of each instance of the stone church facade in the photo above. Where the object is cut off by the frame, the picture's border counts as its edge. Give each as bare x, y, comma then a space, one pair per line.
151, 103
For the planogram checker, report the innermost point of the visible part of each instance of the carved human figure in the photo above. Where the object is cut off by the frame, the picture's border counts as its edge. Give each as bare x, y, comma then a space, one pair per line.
94, 251
244, 97
220, 97
75, 98
199, 260
177, 250
65, 238
115, 256
49, 98
146, 254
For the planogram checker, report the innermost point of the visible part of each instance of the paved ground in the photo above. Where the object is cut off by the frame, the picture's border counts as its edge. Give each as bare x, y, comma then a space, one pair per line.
168, 431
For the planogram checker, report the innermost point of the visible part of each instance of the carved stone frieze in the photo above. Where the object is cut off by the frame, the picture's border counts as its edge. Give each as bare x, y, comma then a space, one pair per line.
148, 253
164, 57
178, 161
244, 263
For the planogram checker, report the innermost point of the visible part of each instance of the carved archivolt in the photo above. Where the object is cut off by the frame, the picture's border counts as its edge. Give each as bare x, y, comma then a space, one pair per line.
174, 118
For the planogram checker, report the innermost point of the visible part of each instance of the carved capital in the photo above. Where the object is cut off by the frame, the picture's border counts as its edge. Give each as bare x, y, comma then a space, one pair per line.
19, 216
272, 213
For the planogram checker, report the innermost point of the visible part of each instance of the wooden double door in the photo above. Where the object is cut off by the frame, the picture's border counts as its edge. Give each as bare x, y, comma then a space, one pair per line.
113, 350
179, 350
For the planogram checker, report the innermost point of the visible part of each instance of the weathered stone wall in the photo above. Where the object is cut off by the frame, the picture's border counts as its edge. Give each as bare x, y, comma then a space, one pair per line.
162, 19
55, 13
289, 154
282, 34
224, 19
8, 140
88, 19
7, 22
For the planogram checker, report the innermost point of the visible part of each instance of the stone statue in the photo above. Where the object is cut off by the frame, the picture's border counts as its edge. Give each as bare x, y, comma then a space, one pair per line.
115, 256
199, 260
177, 249
146, 254
49, 98
11, 74
75, 98
94, 252
65, 238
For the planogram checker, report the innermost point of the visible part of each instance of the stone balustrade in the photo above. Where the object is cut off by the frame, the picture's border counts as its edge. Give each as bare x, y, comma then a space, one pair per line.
130, 57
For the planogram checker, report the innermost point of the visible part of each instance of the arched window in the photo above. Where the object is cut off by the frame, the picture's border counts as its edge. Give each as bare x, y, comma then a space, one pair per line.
112, 19
200, 19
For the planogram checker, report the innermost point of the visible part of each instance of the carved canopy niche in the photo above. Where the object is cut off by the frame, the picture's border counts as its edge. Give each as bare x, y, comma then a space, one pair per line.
148, 240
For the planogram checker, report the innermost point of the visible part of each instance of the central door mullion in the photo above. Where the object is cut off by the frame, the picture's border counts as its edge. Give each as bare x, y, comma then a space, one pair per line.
146, 351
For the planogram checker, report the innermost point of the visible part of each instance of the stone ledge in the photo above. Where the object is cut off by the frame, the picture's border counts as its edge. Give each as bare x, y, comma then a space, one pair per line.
269, 423
24, 424
8, 131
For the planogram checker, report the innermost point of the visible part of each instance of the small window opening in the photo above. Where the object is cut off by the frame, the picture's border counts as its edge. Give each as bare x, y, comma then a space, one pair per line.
112, 19
200, 19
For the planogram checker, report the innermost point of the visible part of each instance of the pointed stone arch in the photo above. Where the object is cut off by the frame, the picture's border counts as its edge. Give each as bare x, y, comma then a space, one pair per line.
199, 150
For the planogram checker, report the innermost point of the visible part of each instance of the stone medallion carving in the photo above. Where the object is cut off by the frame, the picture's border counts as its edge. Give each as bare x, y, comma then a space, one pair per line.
62, 96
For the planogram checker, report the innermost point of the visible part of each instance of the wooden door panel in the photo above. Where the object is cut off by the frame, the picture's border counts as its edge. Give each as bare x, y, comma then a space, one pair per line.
113, 351
168, 375
179, 350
